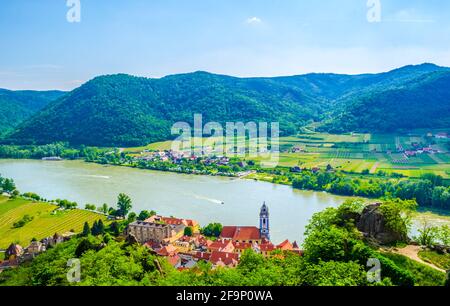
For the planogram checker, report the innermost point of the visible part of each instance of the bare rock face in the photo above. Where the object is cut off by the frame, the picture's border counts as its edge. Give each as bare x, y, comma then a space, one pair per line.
373, 225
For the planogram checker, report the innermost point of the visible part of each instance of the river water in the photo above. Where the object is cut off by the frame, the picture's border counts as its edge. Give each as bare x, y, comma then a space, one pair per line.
206, 199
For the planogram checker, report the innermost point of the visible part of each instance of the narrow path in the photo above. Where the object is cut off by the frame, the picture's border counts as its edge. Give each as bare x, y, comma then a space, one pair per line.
374, 168
412, 252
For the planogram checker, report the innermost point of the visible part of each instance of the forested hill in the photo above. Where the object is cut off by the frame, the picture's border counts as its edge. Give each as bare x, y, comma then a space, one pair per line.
17, 106
122, 110
423, 102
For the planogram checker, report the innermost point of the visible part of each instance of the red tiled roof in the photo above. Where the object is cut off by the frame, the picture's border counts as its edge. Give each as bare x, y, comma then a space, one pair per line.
226, 258
168, 250
173, 260
173, 221
191, 223
267, 247
285, 246
242, 245
153, 245
240, 233
202, 256
221, 245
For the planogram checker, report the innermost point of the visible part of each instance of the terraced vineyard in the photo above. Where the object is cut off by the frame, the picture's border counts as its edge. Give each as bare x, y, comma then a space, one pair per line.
46, 221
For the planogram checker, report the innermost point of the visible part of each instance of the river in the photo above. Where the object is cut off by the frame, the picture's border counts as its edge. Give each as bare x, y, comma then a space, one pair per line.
185, 196
206, 199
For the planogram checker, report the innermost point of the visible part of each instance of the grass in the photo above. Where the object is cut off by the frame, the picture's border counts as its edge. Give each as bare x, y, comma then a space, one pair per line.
439, 260
424, 275
45, 223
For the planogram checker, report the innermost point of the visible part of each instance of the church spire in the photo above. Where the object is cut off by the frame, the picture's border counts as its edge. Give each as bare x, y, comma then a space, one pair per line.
264, 229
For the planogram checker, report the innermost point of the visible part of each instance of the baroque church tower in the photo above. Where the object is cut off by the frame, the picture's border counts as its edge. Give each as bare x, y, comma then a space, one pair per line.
264, 222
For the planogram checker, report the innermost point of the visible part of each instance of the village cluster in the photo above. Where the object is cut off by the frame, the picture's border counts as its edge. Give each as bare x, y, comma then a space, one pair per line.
177, 158
15, 254
165, 236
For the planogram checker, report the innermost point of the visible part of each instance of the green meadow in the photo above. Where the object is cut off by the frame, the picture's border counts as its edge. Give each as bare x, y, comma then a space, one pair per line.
46, 221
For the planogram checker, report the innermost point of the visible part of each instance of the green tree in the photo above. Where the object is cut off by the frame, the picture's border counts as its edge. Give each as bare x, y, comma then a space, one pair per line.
124, 204
86, 230
8, 185
100, 227
103, 209
188, 231
132, 217
427, 235
114, 228
90, 207
212, 230
145, 214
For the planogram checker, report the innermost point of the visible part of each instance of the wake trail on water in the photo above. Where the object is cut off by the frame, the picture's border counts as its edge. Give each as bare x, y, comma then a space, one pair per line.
200, 197
97, 176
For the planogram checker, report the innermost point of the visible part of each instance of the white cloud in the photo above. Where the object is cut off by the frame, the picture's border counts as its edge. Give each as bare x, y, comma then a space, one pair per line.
410, 16
254, 21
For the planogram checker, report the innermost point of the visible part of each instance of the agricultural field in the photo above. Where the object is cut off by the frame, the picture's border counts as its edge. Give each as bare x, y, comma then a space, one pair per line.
352, 152
46, 221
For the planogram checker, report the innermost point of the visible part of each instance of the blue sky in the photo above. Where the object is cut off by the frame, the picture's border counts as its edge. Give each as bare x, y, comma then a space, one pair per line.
40, 49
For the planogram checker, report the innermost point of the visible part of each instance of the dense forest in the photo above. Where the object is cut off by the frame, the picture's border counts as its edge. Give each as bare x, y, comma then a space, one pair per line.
18, 106
424, 102
122, 110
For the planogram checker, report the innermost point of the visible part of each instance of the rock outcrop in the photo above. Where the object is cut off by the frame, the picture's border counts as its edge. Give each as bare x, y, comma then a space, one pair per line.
372, 224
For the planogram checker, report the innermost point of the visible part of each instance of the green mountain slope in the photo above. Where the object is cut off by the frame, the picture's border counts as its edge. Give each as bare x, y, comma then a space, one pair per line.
122, 110
17, 106
423, 102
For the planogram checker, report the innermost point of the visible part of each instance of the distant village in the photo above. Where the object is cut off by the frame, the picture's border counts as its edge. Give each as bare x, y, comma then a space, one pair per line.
205, 158
166, 237
16, 255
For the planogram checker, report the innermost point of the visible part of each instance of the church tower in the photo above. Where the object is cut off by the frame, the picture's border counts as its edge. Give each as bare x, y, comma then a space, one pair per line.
264, 222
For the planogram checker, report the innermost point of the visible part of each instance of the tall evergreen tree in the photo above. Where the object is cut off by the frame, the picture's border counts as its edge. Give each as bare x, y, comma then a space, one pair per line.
86, 229
94, 229
100, 227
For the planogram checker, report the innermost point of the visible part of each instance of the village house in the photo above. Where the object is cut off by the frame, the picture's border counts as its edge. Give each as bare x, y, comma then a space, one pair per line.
245, 234
224, 259
54, 240
266, 248
14, 251
168, 250
157, 232
35, 248
222, 246
441, 136
175, 222
8, 264
202, 256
